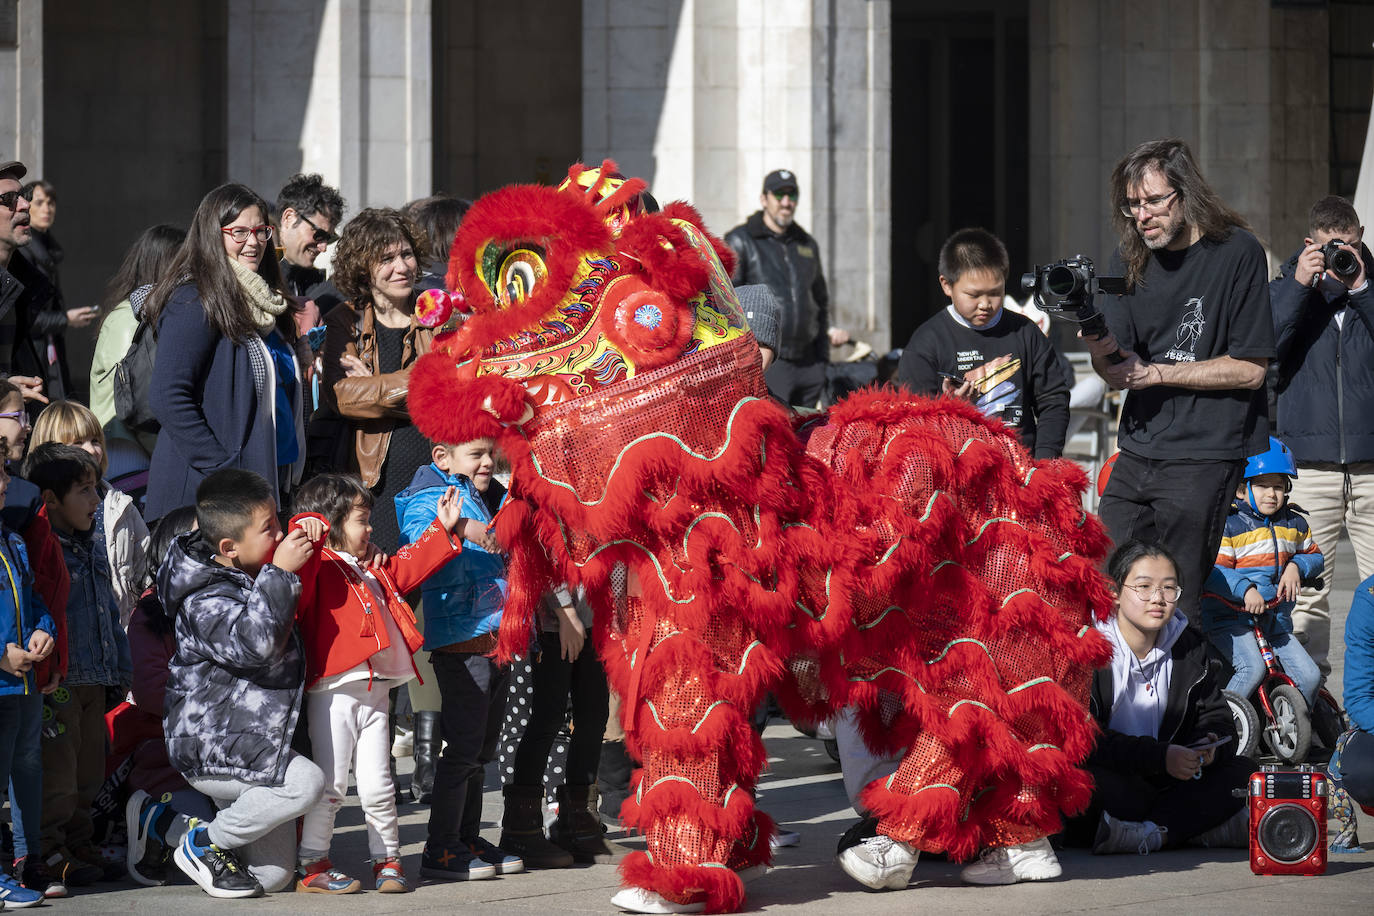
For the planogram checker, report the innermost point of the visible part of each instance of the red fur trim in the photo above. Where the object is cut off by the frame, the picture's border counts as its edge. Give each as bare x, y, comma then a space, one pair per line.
720, 888
450, 408
682, 210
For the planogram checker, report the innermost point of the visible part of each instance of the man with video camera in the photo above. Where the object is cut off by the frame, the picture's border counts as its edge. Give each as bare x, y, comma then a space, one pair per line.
1190, 345
1324, 325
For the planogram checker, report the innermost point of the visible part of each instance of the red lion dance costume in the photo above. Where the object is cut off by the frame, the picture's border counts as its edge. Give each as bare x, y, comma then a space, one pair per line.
898, 554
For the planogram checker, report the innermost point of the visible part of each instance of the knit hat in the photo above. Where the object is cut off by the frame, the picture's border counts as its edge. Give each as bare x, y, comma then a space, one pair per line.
761, 311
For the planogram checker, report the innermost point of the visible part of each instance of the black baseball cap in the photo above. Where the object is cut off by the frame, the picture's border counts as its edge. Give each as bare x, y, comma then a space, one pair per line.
778, 179
13, 169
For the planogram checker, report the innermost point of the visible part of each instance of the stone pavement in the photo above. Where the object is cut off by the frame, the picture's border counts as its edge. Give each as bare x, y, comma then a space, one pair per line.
803, 791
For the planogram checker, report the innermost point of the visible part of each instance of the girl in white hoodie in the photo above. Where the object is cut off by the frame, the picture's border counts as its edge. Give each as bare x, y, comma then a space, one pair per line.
1165, 763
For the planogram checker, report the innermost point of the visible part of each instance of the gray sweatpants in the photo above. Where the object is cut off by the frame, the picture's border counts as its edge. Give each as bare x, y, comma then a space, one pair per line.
858, 764
259, 822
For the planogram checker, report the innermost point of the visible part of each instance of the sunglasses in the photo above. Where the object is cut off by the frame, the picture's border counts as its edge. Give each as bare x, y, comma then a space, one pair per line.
784, 194
321, 237
9, 199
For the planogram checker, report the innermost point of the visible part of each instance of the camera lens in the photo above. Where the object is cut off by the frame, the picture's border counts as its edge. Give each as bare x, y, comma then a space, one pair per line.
1344, 263
1287, 833
1061, 280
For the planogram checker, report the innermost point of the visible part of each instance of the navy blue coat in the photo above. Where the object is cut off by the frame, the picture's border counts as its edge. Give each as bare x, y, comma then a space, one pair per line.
204, 395
1326, 374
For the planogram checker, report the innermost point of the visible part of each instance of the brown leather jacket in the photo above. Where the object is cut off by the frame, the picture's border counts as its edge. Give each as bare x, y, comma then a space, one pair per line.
370, 405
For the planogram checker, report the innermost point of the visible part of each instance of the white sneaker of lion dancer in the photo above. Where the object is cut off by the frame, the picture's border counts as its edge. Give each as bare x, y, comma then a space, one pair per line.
1034, 861
639, 900
879, 862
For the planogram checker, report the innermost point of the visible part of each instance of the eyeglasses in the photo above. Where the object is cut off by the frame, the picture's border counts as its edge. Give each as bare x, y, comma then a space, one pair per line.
10, 198
1153, 206
322, 237
784, 194
19, 416
240, 234
1146, 592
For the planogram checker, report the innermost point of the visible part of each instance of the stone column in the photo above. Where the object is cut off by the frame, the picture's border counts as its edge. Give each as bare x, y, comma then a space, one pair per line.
705, 97
339, 87
21, 82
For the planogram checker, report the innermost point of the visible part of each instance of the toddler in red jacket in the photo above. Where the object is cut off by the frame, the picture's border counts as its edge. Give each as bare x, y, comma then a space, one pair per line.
359, 636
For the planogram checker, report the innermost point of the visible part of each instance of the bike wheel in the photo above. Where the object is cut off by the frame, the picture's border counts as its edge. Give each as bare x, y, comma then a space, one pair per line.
1290, 735
1246, 721
1329, 721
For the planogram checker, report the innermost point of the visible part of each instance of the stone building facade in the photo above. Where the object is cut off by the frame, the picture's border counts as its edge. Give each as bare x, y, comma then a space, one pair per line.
904, 119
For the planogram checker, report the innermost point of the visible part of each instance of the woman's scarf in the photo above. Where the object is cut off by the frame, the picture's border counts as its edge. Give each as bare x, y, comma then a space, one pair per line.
264, 302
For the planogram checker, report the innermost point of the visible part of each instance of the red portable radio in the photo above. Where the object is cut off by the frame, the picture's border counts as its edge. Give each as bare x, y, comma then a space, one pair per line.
1288, 821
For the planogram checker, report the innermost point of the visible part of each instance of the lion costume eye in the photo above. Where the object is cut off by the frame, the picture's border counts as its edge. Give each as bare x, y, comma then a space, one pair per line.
518, 272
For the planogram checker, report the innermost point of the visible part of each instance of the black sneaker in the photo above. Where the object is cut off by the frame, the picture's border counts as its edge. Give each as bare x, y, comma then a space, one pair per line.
71, 871
33, 874
148, 857
454, 863
504, 862
218, 871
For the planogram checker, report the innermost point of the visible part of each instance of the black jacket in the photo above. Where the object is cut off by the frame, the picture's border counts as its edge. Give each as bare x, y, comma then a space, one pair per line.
1193, 708
310, 283
1325, 373
235, 684
10, 291
790, 264
39, 313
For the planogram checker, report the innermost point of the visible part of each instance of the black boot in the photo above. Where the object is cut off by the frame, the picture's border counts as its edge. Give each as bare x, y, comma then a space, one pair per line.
580, 832
522, 829
428, 743
613, 781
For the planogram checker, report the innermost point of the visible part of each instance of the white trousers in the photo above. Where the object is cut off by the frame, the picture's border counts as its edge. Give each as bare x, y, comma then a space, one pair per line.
346, 721
1332, 497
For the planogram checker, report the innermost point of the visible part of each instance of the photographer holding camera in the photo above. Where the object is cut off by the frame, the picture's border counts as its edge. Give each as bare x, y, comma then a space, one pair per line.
1196, 341
1323, 310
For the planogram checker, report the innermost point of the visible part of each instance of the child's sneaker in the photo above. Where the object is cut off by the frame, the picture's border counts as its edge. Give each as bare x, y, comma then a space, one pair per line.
71, 871
390, 878
218, 871
321, 877
147, 856
15, 896
456, 863
33, 874
496, 857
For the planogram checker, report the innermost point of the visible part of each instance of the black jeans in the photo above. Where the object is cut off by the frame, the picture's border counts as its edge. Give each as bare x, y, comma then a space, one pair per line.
1186, 807
796, 384
555, 679
1179, 504
472, 690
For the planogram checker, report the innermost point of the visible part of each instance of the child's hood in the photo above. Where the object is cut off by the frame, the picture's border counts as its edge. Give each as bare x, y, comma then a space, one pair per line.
1122, 654
191, 567
430, 477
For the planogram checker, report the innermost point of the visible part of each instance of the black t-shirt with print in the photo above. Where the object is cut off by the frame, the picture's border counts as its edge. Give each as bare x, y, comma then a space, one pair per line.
1209, 300
1014, 369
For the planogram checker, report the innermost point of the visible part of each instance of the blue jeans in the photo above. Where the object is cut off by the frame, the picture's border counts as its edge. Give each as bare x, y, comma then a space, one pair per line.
1237, 641
21, 765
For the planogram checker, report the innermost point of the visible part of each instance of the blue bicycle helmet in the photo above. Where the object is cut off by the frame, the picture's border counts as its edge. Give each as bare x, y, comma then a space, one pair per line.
1277, 460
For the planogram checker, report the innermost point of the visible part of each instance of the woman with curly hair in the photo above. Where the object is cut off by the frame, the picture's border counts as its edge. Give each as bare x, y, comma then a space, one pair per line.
371, 341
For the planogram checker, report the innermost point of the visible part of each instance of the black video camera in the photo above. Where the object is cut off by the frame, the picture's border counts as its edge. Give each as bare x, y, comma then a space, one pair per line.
1339, 261
1066, 288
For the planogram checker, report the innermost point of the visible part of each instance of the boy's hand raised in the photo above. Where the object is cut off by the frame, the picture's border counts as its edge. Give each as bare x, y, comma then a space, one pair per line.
450, 512
294, 551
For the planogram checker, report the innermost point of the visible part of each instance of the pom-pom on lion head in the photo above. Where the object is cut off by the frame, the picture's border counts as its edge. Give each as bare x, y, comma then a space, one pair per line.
570, 290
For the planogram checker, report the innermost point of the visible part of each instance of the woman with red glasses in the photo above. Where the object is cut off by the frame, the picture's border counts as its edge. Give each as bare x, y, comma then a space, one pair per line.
226, 384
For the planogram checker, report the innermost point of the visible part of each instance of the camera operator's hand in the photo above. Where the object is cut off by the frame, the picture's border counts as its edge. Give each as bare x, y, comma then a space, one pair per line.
1310, 265
1133, 373
1100, 347
966, 391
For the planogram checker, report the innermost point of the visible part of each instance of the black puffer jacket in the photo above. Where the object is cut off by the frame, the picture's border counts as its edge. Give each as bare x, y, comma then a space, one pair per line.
790, 265
1325, 373
1193, 708
234, 686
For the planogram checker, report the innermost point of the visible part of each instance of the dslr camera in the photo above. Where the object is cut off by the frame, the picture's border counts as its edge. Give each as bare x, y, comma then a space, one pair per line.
1344, 264
1066, 289
1288, 821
